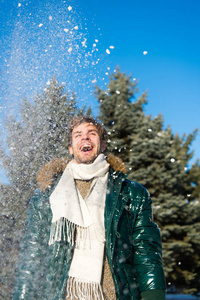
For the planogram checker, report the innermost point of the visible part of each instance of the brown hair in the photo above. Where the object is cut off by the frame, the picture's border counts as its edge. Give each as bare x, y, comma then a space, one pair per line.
86, 119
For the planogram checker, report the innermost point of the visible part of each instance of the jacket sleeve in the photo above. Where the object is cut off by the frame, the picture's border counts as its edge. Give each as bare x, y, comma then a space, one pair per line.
147, 247
30, 281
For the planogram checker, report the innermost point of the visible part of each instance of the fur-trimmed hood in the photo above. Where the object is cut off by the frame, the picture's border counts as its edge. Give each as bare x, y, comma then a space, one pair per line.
52, 169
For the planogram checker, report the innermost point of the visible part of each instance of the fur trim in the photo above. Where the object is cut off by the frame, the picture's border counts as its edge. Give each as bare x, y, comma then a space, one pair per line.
52, 169
116, 163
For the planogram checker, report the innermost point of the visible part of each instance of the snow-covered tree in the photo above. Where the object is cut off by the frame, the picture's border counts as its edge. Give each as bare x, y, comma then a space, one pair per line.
120, 115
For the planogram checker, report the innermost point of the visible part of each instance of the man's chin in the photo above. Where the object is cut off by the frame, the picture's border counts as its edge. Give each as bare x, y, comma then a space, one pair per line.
86, 160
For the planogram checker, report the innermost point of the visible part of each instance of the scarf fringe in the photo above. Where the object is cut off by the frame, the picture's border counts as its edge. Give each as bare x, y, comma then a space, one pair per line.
78, 289
64, 230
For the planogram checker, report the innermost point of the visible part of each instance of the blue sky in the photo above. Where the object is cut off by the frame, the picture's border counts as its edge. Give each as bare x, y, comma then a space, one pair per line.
83, 41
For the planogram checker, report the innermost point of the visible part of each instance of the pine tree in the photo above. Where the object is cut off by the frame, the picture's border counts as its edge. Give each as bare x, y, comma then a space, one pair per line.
36, 136
159, 160
119, 114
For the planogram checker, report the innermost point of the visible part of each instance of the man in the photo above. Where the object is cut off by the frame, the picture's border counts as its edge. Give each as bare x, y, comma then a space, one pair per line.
89, 231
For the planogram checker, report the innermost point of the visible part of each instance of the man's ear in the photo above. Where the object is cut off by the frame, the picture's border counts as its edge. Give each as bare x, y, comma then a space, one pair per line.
71, 150
103, 146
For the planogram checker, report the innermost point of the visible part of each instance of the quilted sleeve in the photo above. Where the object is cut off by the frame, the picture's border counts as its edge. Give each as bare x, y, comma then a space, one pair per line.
30, 278
147, 247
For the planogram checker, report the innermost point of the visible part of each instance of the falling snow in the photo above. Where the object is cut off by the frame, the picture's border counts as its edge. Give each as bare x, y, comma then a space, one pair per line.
65, 49
84, 42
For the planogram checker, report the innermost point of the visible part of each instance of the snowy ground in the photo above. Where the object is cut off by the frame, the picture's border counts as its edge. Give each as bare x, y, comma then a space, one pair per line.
181, 297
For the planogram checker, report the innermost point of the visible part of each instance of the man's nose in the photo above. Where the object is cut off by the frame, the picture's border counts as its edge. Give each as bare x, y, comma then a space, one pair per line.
85, 136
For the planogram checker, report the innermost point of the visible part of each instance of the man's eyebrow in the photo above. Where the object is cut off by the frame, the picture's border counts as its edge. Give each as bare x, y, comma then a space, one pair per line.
77, 131
93, 130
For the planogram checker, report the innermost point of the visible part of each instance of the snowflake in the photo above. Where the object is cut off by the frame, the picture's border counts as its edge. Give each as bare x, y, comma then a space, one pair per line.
84, 42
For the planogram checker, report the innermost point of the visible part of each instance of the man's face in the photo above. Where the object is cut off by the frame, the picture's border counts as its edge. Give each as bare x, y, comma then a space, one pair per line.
86, 144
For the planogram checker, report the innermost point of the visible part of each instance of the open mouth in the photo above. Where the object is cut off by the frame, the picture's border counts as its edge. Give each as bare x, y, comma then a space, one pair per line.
86, 148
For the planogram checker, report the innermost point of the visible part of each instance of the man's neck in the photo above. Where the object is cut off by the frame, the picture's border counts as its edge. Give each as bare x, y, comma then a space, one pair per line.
83, 186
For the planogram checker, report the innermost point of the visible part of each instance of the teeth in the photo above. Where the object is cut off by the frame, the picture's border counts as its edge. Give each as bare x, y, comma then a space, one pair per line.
86, 148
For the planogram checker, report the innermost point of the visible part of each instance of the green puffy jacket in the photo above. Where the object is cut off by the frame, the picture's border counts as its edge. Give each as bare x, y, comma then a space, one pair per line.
133, 246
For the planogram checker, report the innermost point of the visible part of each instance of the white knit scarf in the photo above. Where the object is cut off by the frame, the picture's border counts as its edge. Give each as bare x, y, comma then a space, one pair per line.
85, 217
